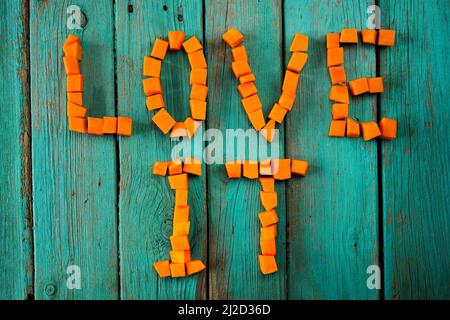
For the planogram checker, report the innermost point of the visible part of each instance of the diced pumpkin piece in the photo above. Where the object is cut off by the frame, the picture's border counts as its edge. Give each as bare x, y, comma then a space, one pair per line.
175, 167
250, 169
75, 83
297, 61
339, 93
386, 37
257, 119
162, 268
78, 124
181, 228
191, 126
192, 44
163, 120
233, 169
179, 181
300, 43
337, 75
277, 113
388, 128
151, 86
370, 130
71, 38
247, 89
198, 109
247, 78
109, 125
199, 92
178, 130
124, 126
240, 68
267, 264
160, 168
74, 110
359, 86
73, 49
154, 102
71, 65
75, 97
251, 103
176, 39
239, 53
369, 36
267, 184
265, 167
233, 37
95, 126
152, 67
269, 199
375, 85
268, 131
180, 256
268, 247
194, 266
339, 111
197, 60
290, 82
193, 166
299, 167
335, 57
181, 197
281, 169
198, 76
181, 214
353, 130
286, 100
269, 232
337, 128
180, 243
177, 270
333, 40
268, 218
159, 49
349, 36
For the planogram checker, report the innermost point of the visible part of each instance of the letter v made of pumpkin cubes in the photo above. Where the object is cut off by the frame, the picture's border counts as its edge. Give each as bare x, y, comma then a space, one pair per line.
267, 171
180, 264
341, 124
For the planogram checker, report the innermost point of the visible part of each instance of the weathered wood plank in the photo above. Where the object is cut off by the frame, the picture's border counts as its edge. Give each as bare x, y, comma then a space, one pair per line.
74, 175
146, 201
415, 166
234, 204
16, 263
333, 212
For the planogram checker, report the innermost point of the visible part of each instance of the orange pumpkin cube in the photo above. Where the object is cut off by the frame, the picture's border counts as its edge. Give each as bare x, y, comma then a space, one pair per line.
181, 197
370, 130
152, 67
369, 36
257, 119
71, 65
286, 100
176, 39
197, 60
75, 97
159, 49
73, 49
75, 83
353, 130
198, 109
124, 126
335, 57
386, 38
175, 167
290, 82
191, 126
239, 53
333, 40
74, 110
181, 214
339, 111
339, 93
151, 86
281, 169
178, 181
359, 86
251, 103
233, 169
233, 37
193, 166
154, 102
78, 124
160, 168
388, 128
268, 131
247, 78
337, 75
250, 169
163, 120
268, 218
337, 128
180, 256
299, 167
192, 44
194, 266
240, 68
178, 130
109, 125
199, 92
198, 76
267, 264
375, 85
349, 36
267, 184
269, 232
268, 247
265, 168
297, 61
277, 113
95, 126
162, 268
177, 270
180, 243
181, 229
269, 199
300, 43
247, 89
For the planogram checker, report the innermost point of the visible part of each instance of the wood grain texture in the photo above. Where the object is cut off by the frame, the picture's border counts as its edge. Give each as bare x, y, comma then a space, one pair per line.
333, 212
74, 175
415, 166
234, 204
16, 263
146, 201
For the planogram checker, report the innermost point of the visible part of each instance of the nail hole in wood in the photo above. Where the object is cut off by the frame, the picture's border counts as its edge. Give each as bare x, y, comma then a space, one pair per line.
165, 7
130, 8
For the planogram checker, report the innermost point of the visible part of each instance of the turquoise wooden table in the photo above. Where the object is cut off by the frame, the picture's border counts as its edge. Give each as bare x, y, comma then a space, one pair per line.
70, 199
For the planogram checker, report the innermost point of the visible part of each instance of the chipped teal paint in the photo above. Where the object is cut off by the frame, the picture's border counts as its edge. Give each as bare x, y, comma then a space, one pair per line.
329, 228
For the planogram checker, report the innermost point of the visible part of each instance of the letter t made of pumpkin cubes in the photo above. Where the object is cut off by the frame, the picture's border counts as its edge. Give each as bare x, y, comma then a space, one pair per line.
268, 171
180, 264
